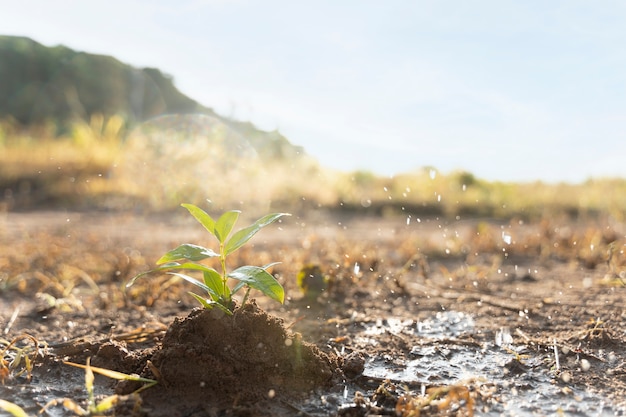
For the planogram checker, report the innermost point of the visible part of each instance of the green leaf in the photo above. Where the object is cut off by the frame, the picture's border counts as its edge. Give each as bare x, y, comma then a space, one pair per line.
206, 303
214, 280
136, 277
245, 234
225, 223
202, 216
242, 284
197, 283
169, 266
259, 279
187, 251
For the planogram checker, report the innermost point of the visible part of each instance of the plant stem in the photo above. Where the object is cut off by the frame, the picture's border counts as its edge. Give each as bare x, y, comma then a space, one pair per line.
224, 277
245, 297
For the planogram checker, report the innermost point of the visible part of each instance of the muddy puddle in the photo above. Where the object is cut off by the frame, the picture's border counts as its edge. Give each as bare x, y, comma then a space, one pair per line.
502, 372
55, 382
508, 377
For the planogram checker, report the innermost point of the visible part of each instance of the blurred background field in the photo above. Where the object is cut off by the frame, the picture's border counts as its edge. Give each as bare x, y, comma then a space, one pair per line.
81, 131
100, 164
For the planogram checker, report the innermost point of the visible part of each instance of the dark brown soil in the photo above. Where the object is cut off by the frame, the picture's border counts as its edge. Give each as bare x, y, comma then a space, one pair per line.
430, 317
213, 362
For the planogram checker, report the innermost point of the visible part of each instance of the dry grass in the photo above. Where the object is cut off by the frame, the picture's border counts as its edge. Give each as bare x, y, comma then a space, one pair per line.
100, 165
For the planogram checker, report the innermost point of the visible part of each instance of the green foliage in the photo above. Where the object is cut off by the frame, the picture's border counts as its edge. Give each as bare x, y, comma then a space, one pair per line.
312, 281
62, 84
215, 284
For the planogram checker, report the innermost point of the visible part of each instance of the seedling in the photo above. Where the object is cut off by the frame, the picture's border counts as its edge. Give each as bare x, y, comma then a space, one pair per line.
94, 407
16, 361
215, 283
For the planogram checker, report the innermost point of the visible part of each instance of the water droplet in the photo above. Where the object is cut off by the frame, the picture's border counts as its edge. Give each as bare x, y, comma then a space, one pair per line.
585, 365
357, 268
503, 337
506, 237
433, 174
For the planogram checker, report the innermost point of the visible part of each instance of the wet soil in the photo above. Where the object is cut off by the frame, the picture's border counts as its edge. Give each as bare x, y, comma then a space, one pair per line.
211, 362
419, 317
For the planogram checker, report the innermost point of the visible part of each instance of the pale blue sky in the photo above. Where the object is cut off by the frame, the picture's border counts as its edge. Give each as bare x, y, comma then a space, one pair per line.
509, 90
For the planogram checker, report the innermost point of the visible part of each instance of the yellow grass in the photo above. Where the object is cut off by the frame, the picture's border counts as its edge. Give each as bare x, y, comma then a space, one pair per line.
98, 164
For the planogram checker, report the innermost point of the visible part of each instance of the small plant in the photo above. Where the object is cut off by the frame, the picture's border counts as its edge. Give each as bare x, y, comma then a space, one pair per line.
215, 283
16, 361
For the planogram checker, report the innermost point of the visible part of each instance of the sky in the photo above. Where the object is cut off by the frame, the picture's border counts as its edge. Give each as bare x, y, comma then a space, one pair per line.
507, 90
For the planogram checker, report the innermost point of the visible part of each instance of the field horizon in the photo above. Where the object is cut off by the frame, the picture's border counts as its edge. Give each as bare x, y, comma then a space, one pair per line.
102, 165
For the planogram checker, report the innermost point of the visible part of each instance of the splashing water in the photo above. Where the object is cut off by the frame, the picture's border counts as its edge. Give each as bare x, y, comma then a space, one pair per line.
503, 338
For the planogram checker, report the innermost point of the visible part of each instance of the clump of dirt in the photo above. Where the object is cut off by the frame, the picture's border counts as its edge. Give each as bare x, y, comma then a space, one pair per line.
210, 361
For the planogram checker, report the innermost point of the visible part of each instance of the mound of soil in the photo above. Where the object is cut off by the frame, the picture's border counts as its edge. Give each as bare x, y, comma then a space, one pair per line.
212, 362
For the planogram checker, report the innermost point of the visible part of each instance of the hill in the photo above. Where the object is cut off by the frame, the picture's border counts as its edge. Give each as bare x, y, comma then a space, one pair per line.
41, 84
